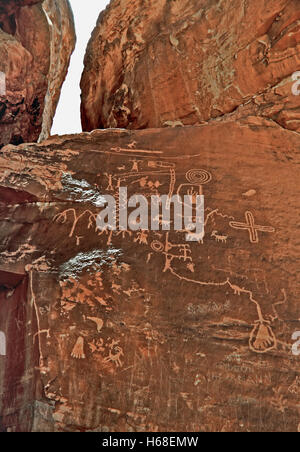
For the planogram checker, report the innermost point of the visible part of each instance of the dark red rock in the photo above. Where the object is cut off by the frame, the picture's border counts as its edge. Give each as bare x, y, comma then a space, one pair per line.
145, 331
36, 41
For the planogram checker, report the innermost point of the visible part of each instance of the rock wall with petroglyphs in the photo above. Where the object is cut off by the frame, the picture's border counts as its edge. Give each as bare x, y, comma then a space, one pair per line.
130, 322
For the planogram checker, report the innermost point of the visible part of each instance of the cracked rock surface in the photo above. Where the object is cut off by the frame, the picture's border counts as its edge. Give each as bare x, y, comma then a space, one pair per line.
36, 42
182, 62
142, 330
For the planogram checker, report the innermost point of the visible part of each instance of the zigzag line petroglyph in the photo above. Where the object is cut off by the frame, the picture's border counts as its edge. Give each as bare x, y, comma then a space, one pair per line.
217, 213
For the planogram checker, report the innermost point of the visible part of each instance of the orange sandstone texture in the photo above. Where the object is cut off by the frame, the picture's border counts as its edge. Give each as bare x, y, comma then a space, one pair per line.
143, 331
169, 63
36, 42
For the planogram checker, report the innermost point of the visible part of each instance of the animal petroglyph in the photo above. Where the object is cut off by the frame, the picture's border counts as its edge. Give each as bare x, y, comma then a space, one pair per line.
183, 259
115, 354
219, 238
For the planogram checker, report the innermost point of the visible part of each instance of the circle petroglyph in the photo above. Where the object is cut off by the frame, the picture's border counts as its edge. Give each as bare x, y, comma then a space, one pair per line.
198, 176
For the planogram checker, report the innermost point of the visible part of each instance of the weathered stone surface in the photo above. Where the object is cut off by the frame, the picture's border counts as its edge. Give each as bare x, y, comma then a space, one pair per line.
181, 62
140, 330
36, 42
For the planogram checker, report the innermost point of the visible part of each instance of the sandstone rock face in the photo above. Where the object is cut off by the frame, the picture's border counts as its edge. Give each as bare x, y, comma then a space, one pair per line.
36, 42
144, 331
168, 63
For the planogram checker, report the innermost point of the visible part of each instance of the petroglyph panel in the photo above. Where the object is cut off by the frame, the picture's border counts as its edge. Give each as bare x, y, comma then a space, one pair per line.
130, 321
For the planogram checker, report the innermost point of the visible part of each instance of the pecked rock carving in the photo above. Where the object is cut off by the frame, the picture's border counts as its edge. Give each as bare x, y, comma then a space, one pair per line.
125, 322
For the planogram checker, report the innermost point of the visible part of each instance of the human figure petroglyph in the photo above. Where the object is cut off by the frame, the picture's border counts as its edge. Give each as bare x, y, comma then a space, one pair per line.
142, 238
181, 252
180, 260
196, 178
110, 186
135, 165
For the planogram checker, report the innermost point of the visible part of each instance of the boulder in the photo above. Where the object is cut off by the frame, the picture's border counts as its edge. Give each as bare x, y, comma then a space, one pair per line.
36, 42
168, 63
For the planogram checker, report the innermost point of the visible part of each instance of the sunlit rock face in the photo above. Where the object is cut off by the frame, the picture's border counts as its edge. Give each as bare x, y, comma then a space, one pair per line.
36, 42
166, 63
143, 330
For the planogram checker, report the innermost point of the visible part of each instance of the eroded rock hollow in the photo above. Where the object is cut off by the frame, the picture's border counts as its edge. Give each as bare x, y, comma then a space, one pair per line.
36, 41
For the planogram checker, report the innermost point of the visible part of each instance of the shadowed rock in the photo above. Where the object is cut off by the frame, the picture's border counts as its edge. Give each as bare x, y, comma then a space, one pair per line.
36, 42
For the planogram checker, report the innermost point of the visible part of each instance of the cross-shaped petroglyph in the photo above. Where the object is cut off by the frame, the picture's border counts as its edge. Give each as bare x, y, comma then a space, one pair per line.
251, 227
179, 256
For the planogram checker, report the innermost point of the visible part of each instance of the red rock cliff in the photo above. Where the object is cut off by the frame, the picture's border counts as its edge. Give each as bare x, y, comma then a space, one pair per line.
36, 42
165, 63
142, 330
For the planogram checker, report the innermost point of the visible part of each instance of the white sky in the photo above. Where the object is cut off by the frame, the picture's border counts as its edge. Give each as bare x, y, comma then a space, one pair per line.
67, 118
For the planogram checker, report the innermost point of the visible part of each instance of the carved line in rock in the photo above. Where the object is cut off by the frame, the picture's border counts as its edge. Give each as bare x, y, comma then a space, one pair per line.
262, 338
251, 227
